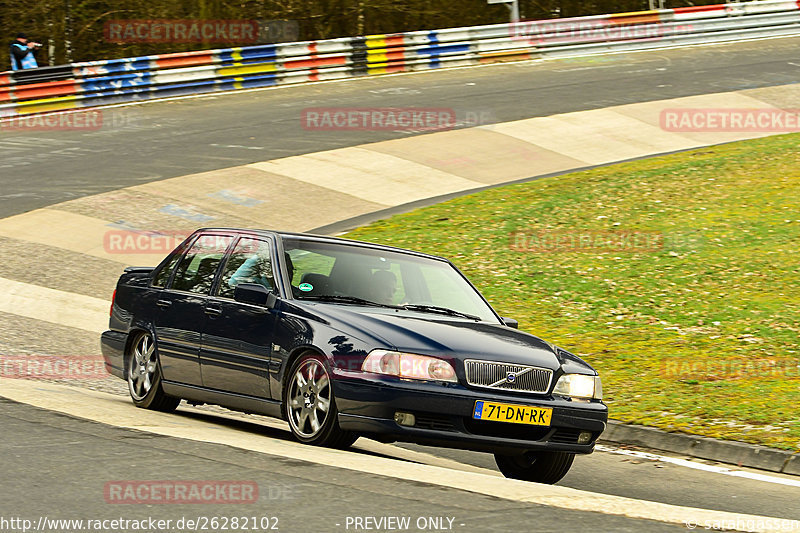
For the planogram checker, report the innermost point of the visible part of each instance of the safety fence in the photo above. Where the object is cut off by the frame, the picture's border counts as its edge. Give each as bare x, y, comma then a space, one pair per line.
94, 83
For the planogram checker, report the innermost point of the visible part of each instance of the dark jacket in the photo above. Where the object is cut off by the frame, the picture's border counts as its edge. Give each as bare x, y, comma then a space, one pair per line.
22, 57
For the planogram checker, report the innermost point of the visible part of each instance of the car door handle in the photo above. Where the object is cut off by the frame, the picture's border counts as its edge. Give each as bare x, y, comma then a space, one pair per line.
213, 311
164, 303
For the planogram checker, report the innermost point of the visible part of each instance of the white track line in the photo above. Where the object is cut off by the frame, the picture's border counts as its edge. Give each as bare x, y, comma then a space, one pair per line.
54, 306
700, 466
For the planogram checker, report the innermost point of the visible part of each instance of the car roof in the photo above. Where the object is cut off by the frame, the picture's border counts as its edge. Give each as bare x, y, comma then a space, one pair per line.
322, 238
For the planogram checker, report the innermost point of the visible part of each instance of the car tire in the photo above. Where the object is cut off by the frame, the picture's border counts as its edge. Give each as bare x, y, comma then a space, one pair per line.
144, 376
311, 405
539, 467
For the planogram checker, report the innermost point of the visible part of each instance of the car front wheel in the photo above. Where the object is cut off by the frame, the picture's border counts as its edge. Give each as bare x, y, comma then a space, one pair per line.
144, 376
540, 467
311, 406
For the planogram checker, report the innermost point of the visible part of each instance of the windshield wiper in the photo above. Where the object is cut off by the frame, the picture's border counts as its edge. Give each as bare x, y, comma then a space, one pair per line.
410, 307
348, 300
439, 310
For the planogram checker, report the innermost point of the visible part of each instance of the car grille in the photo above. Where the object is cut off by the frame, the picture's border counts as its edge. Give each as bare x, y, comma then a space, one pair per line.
492, 375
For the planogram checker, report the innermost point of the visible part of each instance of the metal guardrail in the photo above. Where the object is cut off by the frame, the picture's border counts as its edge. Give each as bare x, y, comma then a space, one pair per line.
113, 81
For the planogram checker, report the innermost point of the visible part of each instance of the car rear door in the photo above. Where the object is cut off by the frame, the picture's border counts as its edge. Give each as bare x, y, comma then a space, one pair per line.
180, 314
237, 338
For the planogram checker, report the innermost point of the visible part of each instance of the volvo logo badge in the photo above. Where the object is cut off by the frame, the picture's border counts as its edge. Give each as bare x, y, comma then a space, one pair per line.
511, 377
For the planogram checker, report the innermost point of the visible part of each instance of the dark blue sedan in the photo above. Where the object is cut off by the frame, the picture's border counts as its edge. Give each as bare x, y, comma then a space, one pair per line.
345, 339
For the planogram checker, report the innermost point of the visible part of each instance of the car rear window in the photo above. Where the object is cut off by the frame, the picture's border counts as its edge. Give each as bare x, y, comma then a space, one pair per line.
162, 276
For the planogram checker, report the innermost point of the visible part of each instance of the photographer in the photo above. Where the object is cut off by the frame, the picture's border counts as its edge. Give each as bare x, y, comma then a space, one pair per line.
22, 53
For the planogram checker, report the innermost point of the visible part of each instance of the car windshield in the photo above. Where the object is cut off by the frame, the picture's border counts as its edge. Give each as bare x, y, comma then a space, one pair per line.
350, 273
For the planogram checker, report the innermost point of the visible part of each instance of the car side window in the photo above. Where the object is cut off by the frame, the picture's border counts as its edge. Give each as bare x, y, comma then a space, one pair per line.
195, 273
162, 276
249, 262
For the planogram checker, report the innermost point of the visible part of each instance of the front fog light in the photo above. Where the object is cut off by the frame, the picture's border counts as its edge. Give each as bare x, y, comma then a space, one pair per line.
585, 437
405, 419
579, 386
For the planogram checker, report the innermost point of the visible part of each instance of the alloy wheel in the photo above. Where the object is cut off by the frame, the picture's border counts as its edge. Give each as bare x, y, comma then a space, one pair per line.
309, 398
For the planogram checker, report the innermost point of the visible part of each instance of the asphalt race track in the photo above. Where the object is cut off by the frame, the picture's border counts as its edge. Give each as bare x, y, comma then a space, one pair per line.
56, 465
631, 485
76, 457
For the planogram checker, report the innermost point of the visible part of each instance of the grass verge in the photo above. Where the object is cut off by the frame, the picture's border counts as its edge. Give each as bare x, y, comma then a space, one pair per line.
677, 277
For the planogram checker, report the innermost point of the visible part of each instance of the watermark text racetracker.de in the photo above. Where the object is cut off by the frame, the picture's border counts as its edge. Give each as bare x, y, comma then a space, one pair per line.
594, 29
730, 120
181, 31
745, 524
75, 367
563, 241
180, 492
719, 369
242, 522
132, 241
70, 120
124, 241
378, 118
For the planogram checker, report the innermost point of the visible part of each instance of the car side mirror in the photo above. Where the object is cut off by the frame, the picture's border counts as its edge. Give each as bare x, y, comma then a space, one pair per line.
510, 322
254, 294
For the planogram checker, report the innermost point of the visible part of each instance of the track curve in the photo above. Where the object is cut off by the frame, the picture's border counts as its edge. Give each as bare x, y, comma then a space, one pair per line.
173, 138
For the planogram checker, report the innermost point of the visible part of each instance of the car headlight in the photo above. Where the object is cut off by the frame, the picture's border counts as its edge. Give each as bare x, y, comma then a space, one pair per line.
579, 386
409, 366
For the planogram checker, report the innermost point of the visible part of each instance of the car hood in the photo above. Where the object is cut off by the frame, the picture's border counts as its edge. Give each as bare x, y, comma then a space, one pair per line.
431, 334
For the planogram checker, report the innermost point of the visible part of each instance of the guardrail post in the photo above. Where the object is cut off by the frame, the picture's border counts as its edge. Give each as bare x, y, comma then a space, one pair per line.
512, 5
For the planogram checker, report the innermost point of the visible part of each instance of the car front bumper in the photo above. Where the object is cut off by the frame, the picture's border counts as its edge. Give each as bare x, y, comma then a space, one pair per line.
443, 416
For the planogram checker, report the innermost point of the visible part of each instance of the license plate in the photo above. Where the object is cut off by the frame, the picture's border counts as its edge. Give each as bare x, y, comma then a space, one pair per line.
516, 414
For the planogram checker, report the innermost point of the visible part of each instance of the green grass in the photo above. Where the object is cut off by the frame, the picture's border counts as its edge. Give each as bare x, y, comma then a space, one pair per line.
697, 333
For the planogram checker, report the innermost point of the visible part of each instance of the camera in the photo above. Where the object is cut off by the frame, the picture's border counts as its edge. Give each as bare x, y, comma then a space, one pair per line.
37, 45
